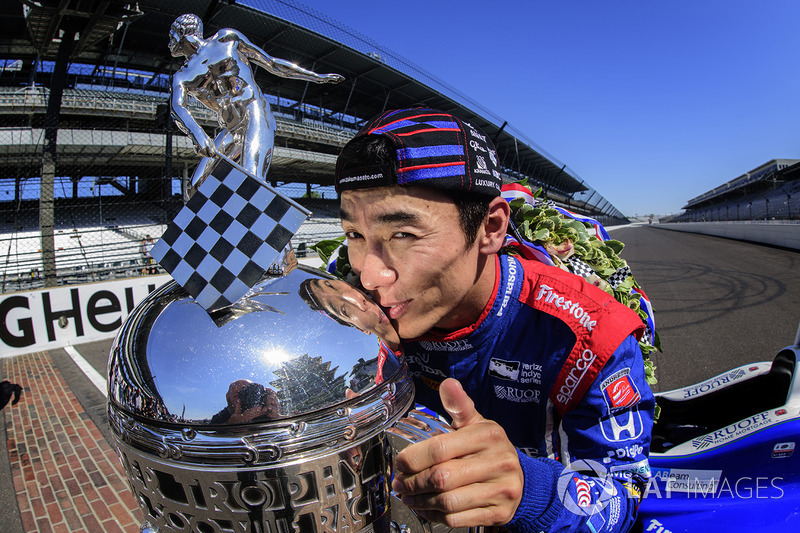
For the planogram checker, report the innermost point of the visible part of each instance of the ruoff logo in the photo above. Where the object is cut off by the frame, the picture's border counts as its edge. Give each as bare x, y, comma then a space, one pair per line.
513, 394
732, 431
713, 383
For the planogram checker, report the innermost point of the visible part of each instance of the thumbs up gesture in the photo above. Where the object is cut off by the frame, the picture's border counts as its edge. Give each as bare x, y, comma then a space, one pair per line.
470, 477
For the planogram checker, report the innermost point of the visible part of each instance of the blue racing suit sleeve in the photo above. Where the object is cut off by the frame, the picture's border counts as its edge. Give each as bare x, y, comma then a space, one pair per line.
602, 447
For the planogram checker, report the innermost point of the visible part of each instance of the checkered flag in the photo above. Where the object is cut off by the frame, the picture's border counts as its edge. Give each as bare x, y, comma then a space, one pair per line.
647, 336
619, 276
579, 267
227, 235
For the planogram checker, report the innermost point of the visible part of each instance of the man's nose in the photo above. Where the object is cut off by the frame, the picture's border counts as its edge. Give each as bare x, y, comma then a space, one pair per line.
355, 297
375, 272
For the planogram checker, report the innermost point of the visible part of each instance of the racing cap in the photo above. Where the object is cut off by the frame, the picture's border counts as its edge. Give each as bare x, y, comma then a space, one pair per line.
432, 149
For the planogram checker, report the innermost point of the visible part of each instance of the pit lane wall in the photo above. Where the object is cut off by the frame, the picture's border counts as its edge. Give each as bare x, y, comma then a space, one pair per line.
33, 321
785, 235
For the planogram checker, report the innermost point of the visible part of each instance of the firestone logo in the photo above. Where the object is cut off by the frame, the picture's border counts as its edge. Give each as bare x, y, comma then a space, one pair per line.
573, 309
575, 376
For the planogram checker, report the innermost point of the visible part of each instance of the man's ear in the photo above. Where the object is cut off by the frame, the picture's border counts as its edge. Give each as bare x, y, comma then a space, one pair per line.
495, 225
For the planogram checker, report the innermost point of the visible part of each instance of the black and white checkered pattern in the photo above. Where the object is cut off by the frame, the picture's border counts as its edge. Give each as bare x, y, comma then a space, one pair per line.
619, 276
579, 267
647, 336
225, 238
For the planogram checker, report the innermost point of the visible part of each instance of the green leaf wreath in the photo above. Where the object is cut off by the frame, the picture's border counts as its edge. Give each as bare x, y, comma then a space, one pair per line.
573, 248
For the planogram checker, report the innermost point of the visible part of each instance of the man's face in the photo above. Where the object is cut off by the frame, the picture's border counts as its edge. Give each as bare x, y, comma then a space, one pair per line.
350, 305
407, 245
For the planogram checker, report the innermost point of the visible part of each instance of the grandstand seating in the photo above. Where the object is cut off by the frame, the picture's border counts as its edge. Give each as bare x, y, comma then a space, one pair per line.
757, 199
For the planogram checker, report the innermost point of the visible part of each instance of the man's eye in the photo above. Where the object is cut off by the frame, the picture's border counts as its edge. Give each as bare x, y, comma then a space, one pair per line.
351, 235
344, 312
402, 235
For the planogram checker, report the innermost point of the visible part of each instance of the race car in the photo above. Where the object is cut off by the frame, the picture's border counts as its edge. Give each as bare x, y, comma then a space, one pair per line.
723, 453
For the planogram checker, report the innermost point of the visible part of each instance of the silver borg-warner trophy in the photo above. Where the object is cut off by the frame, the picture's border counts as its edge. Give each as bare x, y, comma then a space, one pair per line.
276, 412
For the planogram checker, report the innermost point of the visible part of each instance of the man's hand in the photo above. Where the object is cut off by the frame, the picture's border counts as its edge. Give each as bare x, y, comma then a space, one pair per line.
470, 477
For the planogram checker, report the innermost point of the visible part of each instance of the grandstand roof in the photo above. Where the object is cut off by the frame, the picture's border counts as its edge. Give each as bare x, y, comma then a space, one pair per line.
759, 174
115, 34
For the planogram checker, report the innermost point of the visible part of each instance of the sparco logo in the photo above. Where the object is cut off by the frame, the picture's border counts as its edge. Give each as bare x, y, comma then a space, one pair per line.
575, 376
516, 395
448, 346
573, 309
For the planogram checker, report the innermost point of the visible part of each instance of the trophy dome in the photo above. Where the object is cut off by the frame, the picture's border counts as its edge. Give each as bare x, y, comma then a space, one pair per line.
283, 351
273, 409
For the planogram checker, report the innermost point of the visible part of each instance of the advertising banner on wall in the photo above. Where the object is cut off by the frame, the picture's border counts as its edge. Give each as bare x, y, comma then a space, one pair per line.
71, 314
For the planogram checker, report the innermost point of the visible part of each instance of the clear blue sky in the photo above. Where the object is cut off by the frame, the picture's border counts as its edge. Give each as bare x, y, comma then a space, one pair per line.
651, 103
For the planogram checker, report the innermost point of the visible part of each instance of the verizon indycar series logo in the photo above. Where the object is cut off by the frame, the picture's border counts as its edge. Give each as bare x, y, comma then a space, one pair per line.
504, 369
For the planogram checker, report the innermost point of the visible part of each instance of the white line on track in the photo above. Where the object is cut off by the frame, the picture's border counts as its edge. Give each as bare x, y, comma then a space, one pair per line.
93, 375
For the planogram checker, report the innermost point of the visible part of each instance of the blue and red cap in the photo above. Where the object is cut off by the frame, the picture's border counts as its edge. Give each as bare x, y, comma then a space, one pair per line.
433, 149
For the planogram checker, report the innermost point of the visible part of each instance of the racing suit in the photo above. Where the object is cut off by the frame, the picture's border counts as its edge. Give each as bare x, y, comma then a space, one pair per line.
556, 362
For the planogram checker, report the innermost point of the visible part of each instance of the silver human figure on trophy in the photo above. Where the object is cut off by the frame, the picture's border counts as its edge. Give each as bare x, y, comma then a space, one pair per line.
218, 73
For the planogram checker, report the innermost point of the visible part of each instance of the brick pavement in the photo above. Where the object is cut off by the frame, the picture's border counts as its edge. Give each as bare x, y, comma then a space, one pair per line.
67, 478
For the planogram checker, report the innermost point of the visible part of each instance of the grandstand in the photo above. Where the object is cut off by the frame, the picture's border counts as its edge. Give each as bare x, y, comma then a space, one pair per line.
92, 164
770, 192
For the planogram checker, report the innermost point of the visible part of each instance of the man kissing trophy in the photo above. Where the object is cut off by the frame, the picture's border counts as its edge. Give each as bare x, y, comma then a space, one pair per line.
237, 405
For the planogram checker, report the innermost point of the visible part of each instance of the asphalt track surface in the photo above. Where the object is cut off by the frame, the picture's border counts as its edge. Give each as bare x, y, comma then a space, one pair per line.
718, 303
